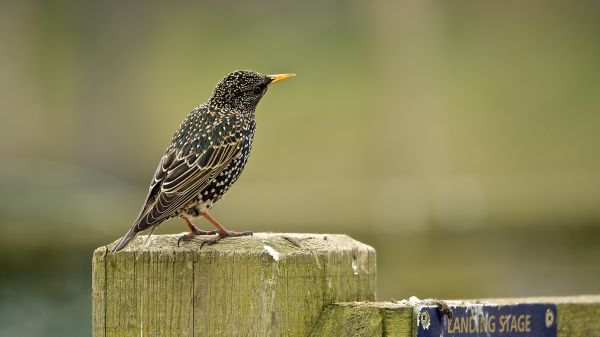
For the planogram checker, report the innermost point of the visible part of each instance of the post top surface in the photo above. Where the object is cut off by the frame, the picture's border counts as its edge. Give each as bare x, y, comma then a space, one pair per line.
403, 304
276, 244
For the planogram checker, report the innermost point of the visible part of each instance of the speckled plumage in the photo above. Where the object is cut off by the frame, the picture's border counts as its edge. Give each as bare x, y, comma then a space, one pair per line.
207, 153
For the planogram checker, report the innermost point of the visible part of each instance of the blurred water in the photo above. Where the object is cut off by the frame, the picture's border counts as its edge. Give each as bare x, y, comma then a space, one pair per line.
45, 293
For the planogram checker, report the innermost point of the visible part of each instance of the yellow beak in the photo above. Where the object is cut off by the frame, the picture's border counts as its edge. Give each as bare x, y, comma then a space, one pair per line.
279, 77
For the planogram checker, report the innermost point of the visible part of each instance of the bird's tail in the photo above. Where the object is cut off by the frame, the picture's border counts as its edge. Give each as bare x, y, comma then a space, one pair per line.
125, 239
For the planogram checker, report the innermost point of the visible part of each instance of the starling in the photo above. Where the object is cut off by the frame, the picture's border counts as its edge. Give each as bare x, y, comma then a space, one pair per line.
205, 157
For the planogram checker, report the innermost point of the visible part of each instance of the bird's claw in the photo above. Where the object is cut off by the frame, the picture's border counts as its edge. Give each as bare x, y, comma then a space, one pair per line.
185, 238
195, 232
222, 235
218, 237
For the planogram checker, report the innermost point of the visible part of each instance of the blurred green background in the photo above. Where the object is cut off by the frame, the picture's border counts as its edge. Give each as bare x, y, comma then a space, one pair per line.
460, 139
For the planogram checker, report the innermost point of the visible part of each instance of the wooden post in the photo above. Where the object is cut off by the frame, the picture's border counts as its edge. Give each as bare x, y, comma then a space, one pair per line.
576, 316
262, 285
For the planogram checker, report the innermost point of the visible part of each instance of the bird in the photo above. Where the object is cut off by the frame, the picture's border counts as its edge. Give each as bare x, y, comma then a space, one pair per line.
205, 157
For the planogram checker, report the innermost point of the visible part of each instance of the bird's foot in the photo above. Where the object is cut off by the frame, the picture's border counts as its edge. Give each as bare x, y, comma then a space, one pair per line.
223, 234
195, 232
185, 238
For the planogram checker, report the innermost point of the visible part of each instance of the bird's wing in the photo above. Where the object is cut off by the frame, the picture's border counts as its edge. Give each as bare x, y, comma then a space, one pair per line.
183, 173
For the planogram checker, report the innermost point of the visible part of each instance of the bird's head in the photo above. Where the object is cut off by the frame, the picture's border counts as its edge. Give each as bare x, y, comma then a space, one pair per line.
243, 89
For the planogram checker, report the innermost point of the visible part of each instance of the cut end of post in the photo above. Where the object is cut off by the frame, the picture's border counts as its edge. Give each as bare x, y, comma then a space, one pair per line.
282, 243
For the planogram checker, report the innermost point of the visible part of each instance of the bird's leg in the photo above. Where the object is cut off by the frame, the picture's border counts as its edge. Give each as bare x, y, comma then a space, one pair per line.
221, 231
193, 231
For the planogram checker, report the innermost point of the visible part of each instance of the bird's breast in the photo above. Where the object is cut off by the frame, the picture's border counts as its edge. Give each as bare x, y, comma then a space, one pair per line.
221, 184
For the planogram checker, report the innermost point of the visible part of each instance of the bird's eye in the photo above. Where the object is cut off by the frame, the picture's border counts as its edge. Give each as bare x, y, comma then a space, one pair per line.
257, 90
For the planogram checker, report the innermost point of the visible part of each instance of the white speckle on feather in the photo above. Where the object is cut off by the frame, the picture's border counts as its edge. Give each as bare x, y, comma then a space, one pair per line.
272, 252
354, 267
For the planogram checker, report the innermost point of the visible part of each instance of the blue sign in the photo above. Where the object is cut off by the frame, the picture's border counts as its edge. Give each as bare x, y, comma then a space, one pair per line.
488, 320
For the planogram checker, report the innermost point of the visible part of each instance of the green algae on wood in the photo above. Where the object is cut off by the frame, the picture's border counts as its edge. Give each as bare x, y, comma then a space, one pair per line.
262, 285
578, 316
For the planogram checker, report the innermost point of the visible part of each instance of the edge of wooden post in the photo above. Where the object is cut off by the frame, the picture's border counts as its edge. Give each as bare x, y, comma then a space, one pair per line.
578, 316
281, 280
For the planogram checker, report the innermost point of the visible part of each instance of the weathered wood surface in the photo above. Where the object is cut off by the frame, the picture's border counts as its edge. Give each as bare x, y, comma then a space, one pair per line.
578, 316
262, 285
